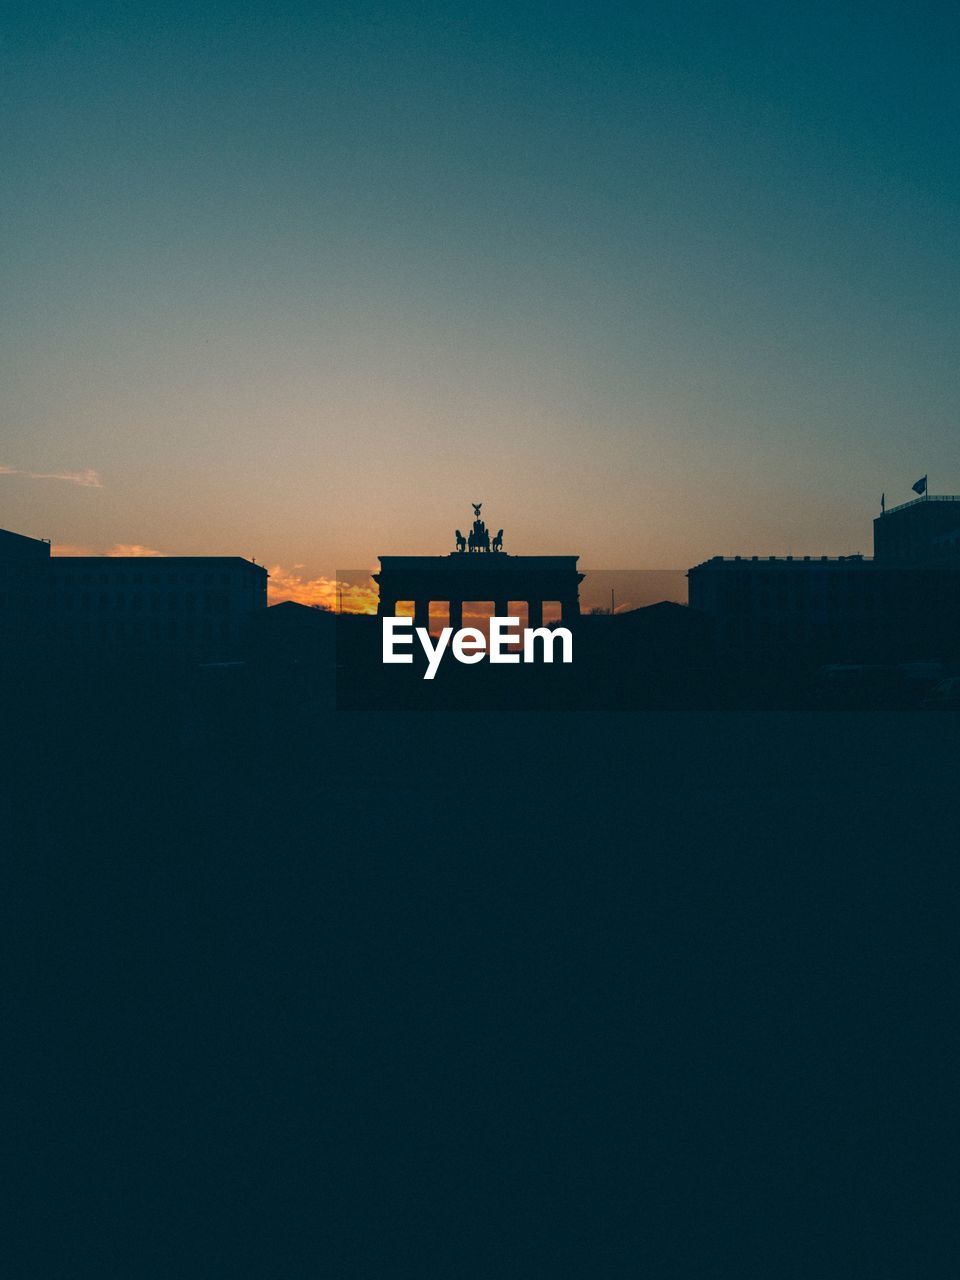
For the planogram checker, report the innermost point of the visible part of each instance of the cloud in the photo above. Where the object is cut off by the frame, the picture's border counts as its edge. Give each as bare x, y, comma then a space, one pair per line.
119, 549
132, 549
354, 597
88, 478
71, 549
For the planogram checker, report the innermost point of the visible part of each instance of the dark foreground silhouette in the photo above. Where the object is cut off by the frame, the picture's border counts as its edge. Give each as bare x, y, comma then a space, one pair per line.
300, 991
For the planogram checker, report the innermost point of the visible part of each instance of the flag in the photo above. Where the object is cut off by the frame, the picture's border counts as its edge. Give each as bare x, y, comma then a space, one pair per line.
920, 486
883, 502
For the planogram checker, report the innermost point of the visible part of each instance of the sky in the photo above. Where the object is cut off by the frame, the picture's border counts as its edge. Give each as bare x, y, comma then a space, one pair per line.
303, 281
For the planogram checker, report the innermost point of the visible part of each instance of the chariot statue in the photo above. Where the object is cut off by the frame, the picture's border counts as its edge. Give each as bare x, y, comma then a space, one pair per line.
478, 539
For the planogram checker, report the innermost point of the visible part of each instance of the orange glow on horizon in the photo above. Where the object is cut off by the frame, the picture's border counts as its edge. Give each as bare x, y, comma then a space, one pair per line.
334, 594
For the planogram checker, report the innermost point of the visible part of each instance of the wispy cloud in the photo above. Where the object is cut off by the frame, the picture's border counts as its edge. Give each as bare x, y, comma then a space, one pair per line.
359, 597
132, 549
119, 549
354, 597
72, 549
88, 478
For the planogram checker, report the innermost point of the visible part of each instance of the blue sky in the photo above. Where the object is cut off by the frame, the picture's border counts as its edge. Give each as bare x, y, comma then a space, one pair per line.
303, 281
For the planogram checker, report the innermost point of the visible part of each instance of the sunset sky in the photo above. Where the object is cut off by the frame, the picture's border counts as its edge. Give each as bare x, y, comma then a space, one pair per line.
303, 281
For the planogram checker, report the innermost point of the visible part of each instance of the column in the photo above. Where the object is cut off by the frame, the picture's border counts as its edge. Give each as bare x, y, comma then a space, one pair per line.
421, 613
456, 614
501, 608
534, 613
570, 610
387, 607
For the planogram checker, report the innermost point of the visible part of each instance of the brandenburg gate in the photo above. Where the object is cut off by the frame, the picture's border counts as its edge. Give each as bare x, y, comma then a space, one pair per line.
480, 570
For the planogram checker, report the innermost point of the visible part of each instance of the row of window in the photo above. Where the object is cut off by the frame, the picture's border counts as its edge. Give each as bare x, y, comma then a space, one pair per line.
772, 625
160, 577
210, 602
155, 629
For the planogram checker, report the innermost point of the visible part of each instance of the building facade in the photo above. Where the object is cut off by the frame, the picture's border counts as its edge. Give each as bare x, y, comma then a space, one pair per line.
494, 577
23, 563
196, 606
903, 603
925, 531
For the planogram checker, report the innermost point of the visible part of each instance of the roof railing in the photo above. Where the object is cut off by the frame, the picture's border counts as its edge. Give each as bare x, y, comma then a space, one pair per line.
853, 558
933, 497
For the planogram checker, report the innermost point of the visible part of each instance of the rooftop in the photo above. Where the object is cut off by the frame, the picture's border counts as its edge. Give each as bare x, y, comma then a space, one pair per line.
484, 562
20, 544
799, 560
157, 562
919, 502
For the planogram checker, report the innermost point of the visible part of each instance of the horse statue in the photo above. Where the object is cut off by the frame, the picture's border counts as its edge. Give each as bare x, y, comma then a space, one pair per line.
498, 541
461, 541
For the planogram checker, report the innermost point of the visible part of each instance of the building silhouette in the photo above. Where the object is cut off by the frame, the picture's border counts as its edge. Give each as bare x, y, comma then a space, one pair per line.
479, 571
189, 605
499, 578
23, 563
902, 603
923, 532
